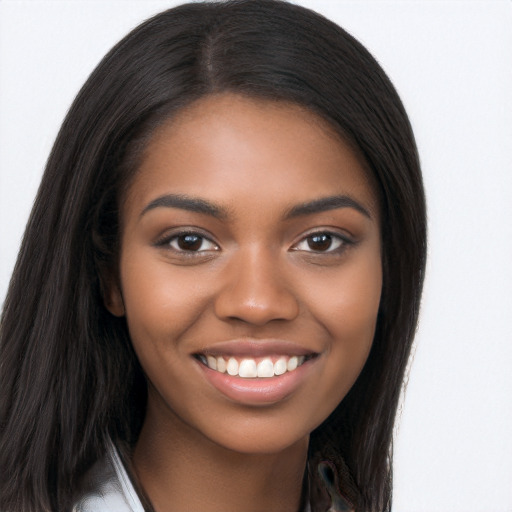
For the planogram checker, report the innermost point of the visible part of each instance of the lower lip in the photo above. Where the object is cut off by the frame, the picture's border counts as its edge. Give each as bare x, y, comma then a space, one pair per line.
258, 391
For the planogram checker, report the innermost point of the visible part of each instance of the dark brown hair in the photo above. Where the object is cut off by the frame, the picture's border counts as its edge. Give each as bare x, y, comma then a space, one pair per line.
69, 378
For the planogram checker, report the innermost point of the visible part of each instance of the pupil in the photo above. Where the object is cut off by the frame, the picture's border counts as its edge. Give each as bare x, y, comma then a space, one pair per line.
320, 242
189, 242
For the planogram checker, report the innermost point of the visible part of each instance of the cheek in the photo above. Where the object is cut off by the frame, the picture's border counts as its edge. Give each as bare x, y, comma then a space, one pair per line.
161, 303
347, 308
348, 302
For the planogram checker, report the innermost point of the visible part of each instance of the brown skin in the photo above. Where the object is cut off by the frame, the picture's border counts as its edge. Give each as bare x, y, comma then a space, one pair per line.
256, 274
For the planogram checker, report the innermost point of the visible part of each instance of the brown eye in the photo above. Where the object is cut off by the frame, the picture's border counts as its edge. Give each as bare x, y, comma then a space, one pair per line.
191, 242
320, 242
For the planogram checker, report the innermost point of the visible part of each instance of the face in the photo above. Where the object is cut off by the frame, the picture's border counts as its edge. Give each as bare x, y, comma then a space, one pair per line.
250, 272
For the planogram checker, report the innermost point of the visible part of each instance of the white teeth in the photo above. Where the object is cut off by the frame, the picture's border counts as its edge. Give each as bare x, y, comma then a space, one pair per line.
247, 368
292, 364
280, 366
266, 368
232, 366
221, 365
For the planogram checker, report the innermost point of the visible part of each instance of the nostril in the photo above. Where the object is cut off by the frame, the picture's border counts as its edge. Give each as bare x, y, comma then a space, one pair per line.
257, 301
256, 312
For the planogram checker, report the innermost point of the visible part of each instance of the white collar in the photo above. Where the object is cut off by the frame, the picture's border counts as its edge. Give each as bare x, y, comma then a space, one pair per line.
108, 488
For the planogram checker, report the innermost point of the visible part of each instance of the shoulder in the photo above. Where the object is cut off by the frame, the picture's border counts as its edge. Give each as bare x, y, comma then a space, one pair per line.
106, 487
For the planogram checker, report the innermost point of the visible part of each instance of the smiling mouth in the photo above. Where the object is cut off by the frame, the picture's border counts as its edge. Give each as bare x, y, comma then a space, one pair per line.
250, 368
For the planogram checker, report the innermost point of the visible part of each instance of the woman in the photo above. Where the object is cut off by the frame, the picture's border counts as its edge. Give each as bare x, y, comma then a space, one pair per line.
218, 288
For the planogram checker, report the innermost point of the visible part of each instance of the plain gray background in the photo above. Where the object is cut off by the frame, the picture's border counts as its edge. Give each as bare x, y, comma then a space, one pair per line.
451, 61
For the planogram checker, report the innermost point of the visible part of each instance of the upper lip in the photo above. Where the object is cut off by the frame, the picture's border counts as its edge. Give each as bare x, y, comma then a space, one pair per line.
251, 347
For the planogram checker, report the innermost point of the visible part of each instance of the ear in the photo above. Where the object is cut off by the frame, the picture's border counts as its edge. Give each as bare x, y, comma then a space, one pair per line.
112, 295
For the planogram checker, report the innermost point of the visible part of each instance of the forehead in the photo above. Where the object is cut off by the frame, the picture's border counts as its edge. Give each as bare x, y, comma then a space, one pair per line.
231, 148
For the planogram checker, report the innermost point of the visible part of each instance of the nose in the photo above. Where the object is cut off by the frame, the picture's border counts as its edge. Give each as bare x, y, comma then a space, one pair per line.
256, 292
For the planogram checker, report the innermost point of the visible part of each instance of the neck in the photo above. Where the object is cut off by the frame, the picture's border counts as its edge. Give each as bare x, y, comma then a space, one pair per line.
180, 469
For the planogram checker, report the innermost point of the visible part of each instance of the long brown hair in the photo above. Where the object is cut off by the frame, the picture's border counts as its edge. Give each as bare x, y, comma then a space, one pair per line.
69, 378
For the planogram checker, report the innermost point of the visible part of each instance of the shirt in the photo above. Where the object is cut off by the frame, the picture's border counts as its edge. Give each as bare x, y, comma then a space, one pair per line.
108, 488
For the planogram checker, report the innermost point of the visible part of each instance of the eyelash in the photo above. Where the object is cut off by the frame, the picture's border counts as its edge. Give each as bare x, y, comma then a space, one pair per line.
168, 241
340, 242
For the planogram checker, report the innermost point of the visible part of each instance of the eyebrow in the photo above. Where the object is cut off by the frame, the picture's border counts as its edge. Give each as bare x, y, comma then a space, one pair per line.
197, 205
183, 202
325, 204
